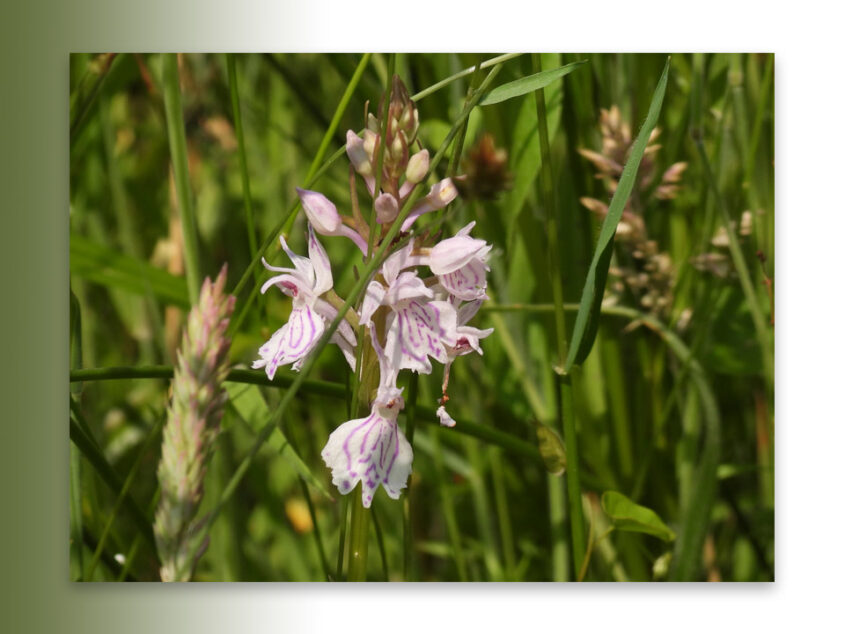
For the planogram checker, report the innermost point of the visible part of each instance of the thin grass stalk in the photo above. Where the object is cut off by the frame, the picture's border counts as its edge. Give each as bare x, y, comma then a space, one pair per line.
124, 491
566, 411
380, 543
503, 514
92, 452
81, 112
344, 518
493, 61
751, 296
77, 545
490, 547
557, 526
489, 434
448, 506
136, 541
318, 537
313, 170
181, 175
407, 524
231, 65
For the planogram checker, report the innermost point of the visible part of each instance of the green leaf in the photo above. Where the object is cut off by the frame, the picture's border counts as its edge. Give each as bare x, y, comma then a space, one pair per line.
105, 266
551, 449
626, 515
587, 321
525, 85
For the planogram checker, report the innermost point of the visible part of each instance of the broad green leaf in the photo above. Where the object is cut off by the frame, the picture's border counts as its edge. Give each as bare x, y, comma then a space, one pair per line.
587, 321
551, 449
525, 85
105, 266
626, 515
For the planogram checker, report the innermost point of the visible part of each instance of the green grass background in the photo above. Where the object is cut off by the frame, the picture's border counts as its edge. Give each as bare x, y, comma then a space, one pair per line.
480, 512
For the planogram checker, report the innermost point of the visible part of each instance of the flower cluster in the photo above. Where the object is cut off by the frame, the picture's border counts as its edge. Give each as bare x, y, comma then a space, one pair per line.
407, 319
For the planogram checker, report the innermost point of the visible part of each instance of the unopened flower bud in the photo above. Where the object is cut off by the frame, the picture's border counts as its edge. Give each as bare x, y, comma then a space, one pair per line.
442, 194
417, 167
387, 208
321, 212
370, 139
357, 153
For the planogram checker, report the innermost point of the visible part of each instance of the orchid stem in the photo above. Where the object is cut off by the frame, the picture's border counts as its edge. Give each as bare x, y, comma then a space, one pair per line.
358, 538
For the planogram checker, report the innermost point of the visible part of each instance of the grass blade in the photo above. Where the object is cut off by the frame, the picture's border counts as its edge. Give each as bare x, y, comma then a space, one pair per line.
525, 85
586, 322
181, 175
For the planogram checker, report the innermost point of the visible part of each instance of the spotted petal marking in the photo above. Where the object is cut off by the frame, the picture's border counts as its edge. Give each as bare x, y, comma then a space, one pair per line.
292, 342
468, 282
372, 451
417, 330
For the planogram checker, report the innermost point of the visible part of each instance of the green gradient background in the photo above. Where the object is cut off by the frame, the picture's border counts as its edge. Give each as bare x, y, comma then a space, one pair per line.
37, 595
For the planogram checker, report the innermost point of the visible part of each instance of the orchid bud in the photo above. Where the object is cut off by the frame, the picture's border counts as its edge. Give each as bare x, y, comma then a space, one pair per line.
370, 139
442, 194
321, 212
387, 208
417, 167
357, 153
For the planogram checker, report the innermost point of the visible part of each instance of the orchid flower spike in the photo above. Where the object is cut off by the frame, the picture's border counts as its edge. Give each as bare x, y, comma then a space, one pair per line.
305, 283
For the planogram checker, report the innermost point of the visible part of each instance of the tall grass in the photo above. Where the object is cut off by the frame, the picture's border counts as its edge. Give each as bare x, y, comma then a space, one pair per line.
672, 407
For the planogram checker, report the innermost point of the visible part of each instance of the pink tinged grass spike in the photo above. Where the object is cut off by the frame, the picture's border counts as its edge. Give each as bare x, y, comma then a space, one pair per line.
194, 414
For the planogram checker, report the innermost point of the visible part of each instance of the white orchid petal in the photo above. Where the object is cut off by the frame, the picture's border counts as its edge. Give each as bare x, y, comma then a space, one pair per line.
292, 342
445, 419
420, 330
319, 263
371, 450
452, 253
373, 298
468, 283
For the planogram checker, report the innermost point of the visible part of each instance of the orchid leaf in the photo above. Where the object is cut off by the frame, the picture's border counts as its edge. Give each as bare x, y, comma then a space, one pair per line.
587, 321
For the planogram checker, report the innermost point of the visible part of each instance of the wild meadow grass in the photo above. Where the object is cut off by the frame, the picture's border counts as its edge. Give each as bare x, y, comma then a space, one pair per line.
619, 425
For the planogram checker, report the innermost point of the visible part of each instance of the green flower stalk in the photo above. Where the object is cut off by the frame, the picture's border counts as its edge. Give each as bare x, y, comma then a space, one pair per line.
193, 422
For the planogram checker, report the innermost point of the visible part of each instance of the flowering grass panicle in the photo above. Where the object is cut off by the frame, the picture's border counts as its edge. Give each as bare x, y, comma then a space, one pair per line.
192, 425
